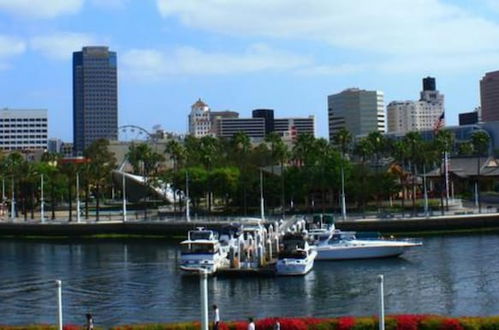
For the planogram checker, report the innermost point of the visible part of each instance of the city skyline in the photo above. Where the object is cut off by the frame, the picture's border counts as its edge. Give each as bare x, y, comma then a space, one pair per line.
288, 57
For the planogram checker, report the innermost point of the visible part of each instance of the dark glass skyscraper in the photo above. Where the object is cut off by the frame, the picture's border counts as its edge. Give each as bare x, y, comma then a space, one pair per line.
268, 115
95, 96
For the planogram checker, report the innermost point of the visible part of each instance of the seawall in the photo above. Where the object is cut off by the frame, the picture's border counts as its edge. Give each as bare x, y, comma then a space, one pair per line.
170, 228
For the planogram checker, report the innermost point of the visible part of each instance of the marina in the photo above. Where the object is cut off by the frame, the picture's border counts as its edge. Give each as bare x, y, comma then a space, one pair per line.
124, 281
288, 247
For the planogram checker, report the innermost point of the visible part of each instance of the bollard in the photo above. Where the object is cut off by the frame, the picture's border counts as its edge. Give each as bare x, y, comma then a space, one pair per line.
269, 244
381, 304
261, 257
59, 303
203, 276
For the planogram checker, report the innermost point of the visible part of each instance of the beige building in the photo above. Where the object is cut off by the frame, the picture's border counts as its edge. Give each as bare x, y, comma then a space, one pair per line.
359, 111
407, 116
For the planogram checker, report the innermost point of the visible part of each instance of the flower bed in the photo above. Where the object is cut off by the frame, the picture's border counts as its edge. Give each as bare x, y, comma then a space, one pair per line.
392, 322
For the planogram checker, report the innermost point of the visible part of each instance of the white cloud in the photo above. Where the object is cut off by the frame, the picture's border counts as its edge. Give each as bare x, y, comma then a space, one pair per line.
61, 45
40, 8
153, 64
110, 4
393, 28
10, 46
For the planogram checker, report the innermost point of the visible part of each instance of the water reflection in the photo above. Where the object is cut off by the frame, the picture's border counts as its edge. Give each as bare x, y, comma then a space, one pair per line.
131, 281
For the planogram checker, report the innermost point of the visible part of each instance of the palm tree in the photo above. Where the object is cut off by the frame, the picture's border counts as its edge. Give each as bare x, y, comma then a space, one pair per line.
413, 143
363, 149
480, 141
12, 165
342, 140
282, 154
241, 146
443, 143
177, 154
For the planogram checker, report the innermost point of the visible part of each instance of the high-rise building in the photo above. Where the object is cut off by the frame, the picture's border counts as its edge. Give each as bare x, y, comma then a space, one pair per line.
22, 129
268, 115
359, 111
407, 116
95, 96
489, 95
200, 119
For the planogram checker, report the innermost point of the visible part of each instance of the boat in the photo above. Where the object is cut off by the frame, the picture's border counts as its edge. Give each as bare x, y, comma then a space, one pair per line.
335, 244
202, 250
296, 257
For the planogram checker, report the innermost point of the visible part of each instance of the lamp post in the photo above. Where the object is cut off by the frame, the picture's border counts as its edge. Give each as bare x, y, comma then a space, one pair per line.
78, 217
262, 201
343, 201
123, 183
13, 202
42, 201
187, 199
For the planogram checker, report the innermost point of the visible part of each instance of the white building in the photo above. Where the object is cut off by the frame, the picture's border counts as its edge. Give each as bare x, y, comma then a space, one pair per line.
407, 116
199, 119
23, 129
359, 111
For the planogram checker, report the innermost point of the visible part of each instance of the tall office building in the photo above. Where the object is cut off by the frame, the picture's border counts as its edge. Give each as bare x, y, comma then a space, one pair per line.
95, 96
359, 111
22, 129
489, 95
407, 116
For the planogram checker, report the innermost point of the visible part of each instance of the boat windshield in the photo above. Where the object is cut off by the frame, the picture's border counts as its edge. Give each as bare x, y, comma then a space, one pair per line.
199, 248
198, 234
295, 254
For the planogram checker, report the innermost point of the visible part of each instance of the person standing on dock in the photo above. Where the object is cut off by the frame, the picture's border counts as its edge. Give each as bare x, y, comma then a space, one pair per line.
251, 324
90, 322
216, 317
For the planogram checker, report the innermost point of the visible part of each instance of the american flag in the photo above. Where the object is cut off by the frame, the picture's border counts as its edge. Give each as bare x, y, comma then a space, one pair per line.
439, 123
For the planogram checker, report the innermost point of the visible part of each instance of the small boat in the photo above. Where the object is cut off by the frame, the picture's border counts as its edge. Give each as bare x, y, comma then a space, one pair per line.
297, 256
202, 250
337, 245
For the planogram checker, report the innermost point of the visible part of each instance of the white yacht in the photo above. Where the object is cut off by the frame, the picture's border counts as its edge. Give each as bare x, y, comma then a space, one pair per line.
202, 250
297, 256
338, 245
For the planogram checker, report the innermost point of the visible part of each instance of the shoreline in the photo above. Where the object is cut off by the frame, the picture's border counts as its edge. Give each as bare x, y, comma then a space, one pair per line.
420, 226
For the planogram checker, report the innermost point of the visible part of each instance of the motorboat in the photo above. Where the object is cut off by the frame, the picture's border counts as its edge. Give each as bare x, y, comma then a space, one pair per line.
296, 257
202, 251
338, 245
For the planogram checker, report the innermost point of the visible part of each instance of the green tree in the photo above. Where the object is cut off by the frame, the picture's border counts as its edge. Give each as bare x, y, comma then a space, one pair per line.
102, 162
480, 141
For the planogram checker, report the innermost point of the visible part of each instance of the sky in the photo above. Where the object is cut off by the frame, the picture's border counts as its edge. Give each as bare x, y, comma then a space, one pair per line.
240, 55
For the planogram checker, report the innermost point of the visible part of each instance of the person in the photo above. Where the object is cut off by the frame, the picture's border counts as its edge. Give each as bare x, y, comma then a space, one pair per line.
90, 322
251, 324
216, 317
277, 325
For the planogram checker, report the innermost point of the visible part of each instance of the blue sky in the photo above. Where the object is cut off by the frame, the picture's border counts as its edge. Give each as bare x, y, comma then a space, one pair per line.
244, 54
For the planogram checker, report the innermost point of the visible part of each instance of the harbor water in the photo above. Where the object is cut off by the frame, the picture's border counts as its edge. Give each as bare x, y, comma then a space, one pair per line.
138, 281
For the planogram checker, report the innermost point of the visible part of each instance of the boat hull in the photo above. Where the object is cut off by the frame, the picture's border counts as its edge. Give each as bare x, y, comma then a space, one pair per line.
366, 250
295, 267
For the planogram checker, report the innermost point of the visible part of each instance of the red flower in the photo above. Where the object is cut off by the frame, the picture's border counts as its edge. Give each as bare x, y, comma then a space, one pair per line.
451, 324
346, 323
408, 322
